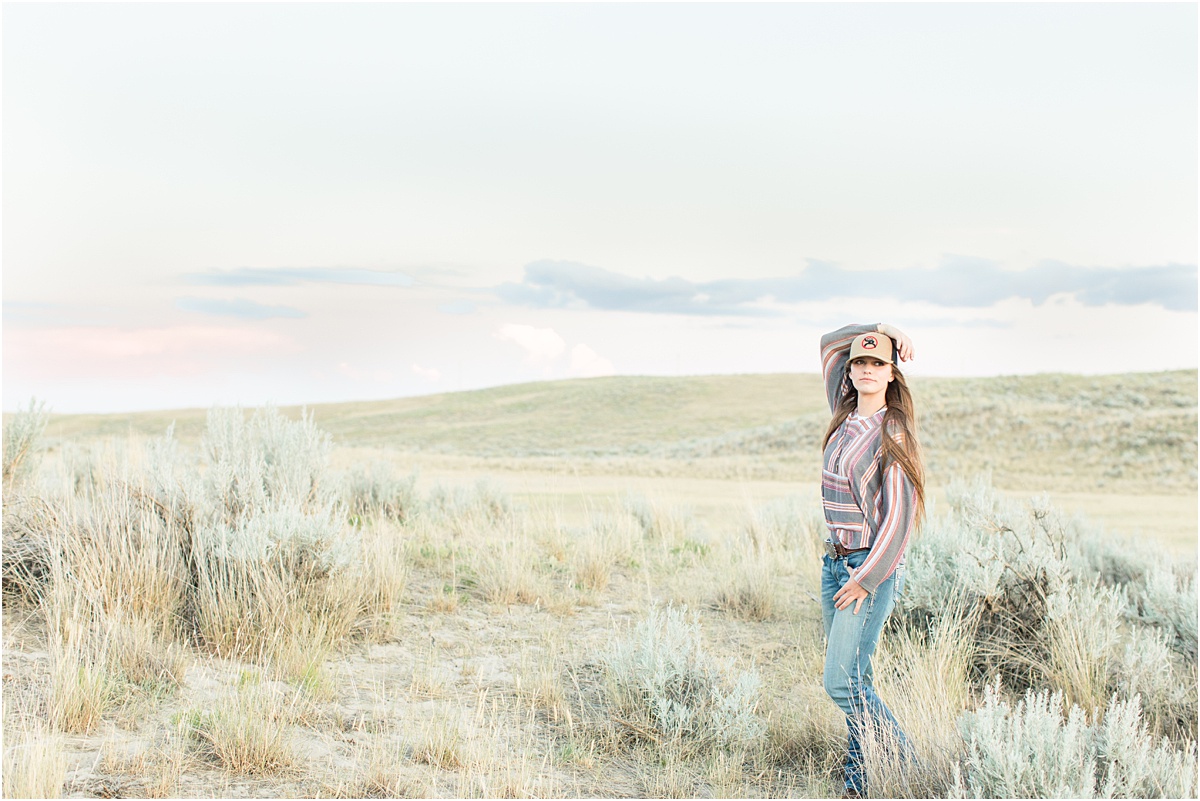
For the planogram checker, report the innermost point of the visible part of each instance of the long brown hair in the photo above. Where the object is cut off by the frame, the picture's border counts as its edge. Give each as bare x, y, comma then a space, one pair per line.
900, 444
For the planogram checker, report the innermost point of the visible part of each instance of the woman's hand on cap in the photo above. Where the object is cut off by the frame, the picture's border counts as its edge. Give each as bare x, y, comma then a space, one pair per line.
904, 343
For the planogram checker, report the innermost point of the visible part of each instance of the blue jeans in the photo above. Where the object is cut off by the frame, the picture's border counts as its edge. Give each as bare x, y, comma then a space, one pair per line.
850, 644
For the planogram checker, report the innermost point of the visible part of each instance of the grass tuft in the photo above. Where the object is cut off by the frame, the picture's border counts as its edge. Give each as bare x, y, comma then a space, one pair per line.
246, 733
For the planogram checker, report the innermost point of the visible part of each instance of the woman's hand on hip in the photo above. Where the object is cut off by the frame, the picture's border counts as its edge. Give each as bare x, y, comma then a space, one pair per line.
851, 592
903, 341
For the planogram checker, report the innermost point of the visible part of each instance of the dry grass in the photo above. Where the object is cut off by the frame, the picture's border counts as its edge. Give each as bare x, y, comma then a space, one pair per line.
384, 577
923, 677
375, 773
507, 572
482, 699
35, 764
440, 744
265, 614
1085, 639
146, 660
749, 591
84, 684
607, 541
663, 523
156, 768
540, 681
247, 732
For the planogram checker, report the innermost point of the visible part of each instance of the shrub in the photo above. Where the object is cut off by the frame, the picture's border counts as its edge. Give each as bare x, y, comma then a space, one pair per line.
483, 501
1034, 751
1005, 564
661, 681
22, 433
1133, 766
268, 556
1168, 600
1150, 668
1055, 600
254, 464
30, 526
246, 553
373, 492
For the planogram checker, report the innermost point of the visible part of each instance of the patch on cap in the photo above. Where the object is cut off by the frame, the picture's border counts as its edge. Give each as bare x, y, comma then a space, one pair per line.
877, 346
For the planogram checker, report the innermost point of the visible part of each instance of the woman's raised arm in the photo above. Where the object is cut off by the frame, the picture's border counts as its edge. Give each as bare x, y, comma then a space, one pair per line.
835, 348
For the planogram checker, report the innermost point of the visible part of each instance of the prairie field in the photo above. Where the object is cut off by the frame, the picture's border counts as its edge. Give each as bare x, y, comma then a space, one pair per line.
598, 588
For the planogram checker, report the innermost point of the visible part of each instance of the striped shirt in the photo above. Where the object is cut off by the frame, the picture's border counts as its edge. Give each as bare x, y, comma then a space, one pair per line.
865, 507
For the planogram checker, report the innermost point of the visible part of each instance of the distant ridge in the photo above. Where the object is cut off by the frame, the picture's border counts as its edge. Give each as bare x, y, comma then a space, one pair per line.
1136, 431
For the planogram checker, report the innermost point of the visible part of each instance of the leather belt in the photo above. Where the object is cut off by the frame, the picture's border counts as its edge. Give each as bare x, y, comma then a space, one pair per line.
835, 550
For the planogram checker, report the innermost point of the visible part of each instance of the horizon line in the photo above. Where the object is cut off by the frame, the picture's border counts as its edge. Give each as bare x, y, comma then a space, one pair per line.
309, 405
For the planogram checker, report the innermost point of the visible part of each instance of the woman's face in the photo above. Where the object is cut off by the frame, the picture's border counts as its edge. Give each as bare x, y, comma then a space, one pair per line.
870, 375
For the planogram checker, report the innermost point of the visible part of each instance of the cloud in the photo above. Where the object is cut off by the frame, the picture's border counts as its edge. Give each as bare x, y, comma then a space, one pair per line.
240, 308
563, 284
541, 345
430, 374
290, 276
958, 281
586, 363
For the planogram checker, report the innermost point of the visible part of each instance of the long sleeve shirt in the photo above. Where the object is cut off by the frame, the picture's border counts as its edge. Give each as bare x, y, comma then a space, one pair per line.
866, 505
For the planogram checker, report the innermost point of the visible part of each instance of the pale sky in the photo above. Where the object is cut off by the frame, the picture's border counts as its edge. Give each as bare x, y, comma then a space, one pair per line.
300, 203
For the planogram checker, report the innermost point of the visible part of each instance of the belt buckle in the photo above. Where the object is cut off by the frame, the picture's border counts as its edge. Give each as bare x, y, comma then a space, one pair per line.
831, 549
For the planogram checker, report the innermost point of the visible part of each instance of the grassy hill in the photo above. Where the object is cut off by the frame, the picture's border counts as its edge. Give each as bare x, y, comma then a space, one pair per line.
1131, 433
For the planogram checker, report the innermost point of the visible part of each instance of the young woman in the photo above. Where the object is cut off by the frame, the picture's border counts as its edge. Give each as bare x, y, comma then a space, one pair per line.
873, 492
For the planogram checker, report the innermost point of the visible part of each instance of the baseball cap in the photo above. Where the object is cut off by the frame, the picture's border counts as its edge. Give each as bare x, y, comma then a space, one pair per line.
876, 345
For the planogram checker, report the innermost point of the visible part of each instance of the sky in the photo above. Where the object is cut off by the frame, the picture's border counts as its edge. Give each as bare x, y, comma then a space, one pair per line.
302, 203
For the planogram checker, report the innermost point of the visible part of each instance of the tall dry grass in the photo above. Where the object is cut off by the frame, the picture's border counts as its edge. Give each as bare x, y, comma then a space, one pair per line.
247, 732
923, 675
35, 764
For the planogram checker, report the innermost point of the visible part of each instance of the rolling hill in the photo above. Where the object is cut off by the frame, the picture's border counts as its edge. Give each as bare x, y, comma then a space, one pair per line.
1129, 433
